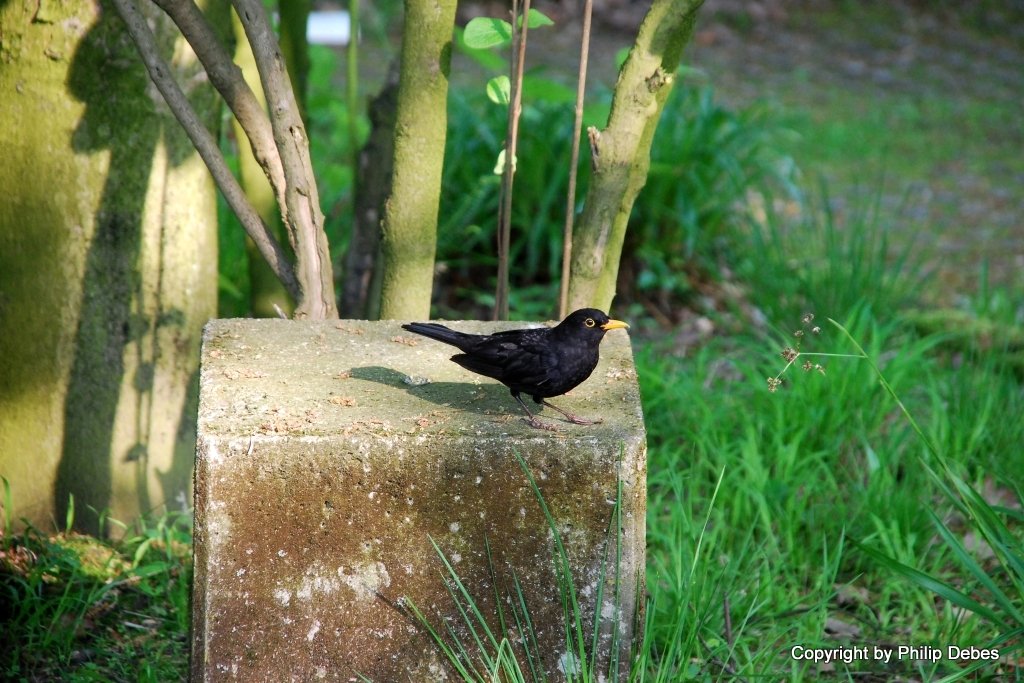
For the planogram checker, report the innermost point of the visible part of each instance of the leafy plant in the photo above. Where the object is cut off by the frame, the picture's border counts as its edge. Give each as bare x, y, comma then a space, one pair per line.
705, 160
73, 607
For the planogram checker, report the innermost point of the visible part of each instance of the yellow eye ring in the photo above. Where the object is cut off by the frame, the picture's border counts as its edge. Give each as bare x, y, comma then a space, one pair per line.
589, 322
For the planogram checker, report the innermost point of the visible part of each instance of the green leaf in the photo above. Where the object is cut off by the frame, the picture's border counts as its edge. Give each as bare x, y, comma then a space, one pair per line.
499, 166
486, 58
930, 583
536, 19
485, 32
499, 90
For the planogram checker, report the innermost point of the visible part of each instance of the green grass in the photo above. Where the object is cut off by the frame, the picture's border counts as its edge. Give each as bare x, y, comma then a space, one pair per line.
933, 158
774, 519
74, 608
853, 138
826, 459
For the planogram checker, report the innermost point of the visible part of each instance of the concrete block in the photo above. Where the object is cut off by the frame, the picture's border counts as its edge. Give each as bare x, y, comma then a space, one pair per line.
331, 453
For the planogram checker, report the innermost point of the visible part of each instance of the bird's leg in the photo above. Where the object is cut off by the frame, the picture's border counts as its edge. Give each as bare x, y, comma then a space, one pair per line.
533, 421
569, 416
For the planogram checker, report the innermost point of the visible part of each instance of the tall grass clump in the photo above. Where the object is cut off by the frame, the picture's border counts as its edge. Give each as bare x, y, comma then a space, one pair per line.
705, 161
985, 582
822, 257
503, 644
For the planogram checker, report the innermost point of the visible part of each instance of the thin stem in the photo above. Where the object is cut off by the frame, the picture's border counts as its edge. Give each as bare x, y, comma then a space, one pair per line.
570, 203
831, 355
519, 30
892, 392
352, 85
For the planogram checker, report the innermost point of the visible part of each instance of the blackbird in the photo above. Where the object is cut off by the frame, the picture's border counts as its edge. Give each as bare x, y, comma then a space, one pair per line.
541, 362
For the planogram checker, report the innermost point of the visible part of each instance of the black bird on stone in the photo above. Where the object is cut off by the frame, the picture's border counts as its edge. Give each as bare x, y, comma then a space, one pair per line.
541, 362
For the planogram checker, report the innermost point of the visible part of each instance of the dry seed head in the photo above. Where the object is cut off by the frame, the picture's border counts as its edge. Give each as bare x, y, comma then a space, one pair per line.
789, 354
773, 384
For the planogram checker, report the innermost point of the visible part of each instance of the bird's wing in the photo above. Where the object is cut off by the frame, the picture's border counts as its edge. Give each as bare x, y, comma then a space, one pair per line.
517, 357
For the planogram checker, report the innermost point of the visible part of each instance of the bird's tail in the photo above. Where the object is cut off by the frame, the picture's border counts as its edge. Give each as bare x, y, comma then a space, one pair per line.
440, 333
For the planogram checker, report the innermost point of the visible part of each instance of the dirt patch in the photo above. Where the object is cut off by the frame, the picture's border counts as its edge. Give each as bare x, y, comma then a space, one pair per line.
949, 87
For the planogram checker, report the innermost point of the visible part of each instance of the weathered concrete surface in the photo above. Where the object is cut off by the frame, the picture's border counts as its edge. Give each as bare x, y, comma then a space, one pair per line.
326, 462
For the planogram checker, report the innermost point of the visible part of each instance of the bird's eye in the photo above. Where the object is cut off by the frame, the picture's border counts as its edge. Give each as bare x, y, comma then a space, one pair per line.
589, 322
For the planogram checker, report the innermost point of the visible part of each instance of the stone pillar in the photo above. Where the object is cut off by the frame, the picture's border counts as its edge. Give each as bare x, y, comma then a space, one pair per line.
331, 455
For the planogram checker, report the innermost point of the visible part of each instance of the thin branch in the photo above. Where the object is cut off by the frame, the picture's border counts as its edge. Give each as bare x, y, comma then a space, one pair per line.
301, 210
227, 78
205, 144
570, 203
519, 30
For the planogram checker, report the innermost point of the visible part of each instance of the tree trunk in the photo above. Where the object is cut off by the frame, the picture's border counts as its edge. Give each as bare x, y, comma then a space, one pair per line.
372, 188
621, 153
107, 266
409, 237
300, 203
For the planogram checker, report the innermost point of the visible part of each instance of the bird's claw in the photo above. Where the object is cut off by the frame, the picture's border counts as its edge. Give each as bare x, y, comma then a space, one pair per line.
583, 421
539, 424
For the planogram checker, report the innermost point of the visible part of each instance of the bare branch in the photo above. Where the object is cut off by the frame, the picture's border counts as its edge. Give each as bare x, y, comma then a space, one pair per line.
205, 144
227, 78
301, 209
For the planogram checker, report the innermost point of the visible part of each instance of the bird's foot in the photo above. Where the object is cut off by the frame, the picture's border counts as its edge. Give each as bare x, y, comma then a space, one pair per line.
540, 424
577, 420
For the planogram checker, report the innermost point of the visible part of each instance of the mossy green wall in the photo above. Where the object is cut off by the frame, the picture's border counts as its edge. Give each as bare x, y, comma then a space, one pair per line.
107, 267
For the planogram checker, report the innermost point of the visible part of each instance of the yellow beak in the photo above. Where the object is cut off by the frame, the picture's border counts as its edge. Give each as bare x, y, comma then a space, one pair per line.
614, 325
